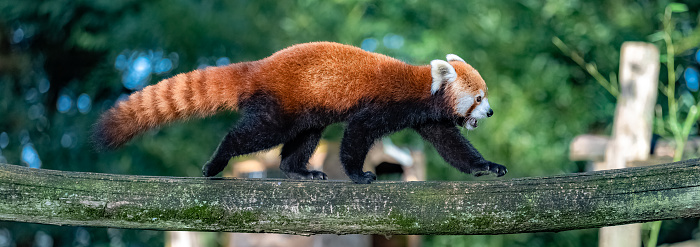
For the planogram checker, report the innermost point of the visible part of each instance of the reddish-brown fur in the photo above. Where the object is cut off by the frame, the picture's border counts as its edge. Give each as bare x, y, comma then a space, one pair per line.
472, 81
336, 77
197, 93
321, 75
468, 81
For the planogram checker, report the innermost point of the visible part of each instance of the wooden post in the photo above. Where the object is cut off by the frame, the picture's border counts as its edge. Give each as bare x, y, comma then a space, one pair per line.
631, 137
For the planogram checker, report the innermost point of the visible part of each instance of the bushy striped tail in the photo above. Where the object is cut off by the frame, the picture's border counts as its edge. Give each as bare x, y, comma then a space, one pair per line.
199, 93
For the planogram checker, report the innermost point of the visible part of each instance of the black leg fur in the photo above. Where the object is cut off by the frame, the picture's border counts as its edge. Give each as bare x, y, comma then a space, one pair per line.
457, 150
353, 149
243, 140
260, 128
263, 126
362, 131
296, 154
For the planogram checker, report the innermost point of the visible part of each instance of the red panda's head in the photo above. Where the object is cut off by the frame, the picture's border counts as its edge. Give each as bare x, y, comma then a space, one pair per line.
464, 88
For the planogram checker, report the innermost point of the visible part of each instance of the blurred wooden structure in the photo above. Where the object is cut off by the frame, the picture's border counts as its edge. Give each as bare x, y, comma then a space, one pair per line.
632, 128
591, 148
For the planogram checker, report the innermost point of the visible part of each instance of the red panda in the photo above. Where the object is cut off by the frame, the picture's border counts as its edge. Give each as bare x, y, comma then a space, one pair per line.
291, 96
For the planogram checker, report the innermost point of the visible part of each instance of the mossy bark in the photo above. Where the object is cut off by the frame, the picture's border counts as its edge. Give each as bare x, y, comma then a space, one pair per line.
557, 203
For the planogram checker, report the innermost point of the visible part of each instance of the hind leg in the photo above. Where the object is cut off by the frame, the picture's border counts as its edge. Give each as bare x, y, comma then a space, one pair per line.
296, 154
260, 128
246, 138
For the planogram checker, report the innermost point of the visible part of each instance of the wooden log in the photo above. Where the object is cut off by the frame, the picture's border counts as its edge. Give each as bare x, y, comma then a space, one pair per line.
544, 204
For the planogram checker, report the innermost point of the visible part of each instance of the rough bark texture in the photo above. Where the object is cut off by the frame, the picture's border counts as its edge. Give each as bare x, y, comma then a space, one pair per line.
558, 203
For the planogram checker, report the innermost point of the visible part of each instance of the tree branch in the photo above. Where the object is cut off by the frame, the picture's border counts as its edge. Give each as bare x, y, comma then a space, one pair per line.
557, 203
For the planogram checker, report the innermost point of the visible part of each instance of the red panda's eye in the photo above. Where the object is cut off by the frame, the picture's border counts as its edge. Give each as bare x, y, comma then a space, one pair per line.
478, 99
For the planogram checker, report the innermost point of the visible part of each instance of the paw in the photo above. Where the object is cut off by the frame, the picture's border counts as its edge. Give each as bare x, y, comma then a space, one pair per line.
317, 175
210, 169
489, 167
313, 175
363, 178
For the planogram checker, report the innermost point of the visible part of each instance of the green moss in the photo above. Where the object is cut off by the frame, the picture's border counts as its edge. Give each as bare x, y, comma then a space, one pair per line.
451, 225
243, 218
205, 214
403, 223
91, 213
73, 210
603, 214
202, 214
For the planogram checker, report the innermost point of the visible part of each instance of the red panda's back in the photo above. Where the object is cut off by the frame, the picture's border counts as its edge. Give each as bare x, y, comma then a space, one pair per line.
336, 77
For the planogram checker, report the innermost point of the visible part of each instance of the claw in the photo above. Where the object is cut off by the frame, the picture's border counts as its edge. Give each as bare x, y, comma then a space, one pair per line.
313, 175
365, 178
490, 168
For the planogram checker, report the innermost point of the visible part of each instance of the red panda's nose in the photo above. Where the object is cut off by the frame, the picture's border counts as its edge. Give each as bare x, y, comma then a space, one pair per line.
490, 113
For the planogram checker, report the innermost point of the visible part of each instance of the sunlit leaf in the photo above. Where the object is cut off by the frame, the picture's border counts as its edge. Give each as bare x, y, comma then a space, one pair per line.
657, 36
678, 7
687, 99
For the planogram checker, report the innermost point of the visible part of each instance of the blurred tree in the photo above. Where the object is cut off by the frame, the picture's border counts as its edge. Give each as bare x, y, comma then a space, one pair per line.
64, 62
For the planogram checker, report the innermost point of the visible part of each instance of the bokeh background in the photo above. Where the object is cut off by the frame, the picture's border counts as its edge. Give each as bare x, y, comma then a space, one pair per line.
63, 62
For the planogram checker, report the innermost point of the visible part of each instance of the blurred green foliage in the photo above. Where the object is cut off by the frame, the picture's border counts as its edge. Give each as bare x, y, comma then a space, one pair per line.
541, 98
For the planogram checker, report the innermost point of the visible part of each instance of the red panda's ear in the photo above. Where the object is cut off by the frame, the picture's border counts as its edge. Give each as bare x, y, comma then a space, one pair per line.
442, 73
453, 57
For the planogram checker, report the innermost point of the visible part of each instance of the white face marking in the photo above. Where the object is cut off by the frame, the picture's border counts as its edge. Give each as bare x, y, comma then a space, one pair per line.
464, 102
482, 109
479, 112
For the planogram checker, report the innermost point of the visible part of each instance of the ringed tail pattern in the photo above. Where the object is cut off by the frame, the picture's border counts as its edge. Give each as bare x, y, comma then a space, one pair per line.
199, 93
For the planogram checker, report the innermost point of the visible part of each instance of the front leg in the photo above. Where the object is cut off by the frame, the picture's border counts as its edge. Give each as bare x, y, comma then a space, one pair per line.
355, 145
457, 150
362, 131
